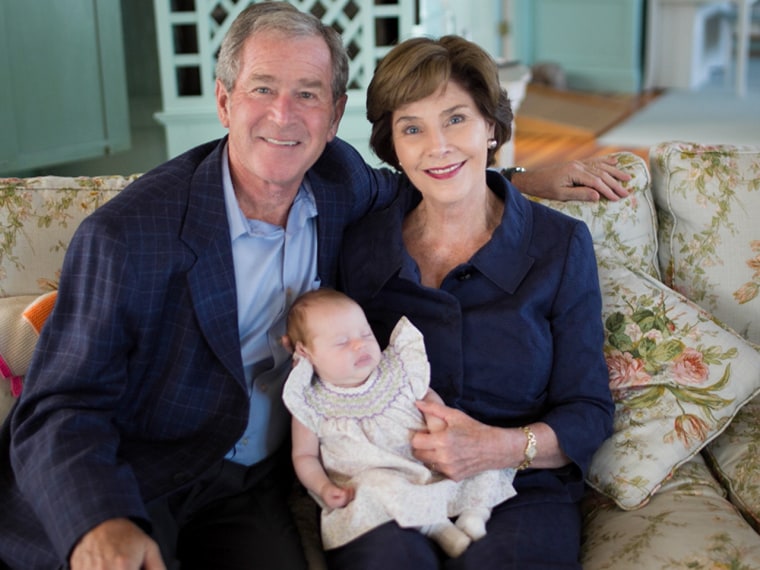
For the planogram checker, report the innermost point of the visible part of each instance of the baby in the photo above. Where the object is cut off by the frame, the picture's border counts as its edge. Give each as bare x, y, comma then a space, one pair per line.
354, 415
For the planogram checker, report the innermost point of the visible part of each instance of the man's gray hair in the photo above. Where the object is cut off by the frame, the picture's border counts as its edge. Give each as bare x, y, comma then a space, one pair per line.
287, 19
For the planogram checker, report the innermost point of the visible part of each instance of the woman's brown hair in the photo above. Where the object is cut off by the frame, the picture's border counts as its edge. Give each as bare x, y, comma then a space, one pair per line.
417, 68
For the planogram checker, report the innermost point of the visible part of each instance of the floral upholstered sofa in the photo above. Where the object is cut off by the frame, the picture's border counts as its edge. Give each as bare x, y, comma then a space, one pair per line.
678, 483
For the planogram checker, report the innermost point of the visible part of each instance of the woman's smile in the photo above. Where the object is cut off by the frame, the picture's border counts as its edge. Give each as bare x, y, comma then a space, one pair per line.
445, 172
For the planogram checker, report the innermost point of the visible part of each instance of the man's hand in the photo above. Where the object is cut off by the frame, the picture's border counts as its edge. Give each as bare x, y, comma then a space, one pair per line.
588, 180
116, 544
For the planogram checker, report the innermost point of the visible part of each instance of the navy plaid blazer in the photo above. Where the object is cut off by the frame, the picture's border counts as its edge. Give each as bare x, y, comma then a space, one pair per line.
137, 386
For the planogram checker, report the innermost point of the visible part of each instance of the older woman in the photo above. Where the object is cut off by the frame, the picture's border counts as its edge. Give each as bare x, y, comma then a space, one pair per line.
505, 292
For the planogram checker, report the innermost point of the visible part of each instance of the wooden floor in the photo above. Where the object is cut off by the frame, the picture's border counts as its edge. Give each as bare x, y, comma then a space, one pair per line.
538, 150
534, 149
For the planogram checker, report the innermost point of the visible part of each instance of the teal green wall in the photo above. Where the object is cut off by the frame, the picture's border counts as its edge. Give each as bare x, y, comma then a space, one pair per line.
598, 43
148, 146
64, 94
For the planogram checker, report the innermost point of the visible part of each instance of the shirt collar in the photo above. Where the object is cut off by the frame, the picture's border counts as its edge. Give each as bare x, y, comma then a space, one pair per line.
304, 206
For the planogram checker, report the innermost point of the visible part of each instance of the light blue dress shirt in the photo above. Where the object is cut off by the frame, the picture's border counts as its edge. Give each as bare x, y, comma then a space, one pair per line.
273, 266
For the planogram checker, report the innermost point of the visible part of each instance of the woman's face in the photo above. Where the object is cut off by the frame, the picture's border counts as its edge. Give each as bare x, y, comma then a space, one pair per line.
442, 143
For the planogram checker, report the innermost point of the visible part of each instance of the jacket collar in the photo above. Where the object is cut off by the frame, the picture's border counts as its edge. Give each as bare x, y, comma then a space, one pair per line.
212, 278
505, 259
378, 251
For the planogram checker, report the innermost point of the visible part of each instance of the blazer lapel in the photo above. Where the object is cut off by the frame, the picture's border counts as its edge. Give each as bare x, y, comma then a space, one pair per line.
335, 208
212, 279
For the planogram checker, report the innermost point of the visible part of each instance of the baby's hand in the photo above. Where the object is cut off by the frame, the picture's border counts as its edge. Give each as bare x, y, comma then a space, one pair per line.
434, 423
336, 497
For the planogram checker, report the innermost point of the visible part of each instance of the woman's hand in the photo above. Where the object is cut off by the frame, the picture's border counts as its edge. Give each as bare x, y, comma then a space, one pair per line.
465, 446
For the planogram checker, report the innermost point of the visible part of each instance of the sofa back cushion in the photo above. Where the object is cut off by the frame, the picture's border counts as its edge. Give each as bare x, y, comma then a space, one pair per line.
735, 459
708, 200
38, 216
627, 228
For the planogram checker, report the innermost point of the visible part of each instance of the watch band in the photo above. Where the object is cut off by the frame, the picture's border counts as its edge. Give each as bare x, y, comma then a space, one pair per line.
530, 449
508, 172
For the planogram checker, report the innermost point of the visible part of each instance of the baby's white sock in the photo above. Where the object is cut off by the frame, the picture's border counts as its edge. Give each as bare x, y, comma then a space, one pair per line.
473, 522
451, 539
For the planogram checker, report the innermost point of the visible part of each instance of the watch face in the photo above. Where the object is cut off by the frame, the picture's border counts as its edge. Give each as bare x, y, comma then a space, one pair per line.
530, 449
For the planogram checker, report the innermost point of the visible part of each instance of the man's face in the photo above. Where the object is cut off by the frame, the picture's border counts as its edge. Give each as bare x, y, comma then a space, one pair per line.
281, 113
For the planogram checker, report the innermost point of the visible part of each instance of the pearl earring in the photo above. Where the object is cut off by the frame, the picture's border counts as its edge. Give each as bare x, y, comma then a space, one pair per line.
492, 143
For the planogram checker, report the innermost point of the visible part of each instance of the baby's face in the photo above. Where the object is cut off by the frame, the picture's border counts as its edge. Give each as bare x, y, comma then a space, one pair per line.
343, 350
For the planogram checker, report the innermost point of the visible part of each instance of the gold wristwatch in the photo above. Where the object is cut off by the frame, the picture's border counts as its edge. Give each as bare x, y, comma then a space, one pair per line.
530, 449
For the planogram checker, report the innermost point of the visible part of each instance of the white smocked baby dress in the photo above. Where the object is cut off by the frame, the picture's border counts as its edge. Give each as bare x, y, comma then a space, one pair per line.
364, 434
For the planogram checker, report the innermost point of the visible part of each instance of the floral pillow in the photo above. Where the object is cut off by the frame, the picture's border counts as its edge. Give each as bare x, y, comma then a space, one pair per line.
627, 226
21, 320
677, 378
708, 200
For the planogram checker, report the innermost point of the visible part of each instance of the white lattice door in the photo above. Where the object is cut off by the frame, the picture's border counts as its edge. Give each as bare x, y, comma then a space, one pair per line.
189, 34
